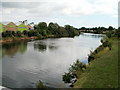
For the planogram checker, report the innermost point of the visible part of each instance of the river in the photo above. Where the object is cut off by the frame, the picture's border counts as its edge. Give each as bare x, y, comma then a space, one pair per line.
25, 63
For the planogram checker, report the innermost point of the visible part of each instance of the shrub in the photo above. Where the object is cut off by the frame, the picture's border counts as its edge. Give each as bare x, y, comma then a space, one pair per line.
77, 66
8, 33
36, 33
107, 44
67, 77
13, 33
90, 58
73, 70
18, 34
30, 33
109, 34
4, 34
25, 33
40, 85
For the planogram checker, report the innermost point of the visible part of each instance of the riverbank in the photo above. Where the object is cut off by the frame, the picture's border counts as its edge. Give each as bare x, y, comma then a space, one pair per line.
14, 39
102, 72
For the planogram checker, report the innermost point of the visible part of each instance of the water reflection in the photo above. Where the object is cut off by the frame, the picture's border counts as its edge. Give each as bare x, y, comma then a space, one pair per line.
43, 45
52, 47
12, 48
40, 46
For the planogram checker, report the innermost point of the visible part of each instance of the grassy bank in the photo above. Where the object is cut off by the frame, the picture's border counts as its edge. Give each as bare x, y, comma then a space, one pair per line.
103, 71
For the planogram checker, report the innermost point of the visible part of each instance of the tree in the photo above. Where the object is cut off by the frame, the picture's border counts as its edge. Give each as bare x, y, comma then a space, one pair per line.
82, 28
70, 30
42, 26
117, 32
110, 28
35, 27
53, 28
63, 32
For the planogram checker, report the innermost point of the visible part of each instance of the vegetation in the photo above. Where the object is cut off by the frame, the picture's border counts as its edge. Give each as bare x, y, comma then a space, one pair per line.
105, 43
97, 30
103, 71
53, 29
75, 69
40, 85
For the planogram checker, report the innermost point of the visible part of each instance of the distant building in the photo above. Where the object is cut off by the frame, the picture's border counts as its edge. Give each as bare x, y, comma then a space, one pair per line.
11, 27
2, 27
29, 27
22, 27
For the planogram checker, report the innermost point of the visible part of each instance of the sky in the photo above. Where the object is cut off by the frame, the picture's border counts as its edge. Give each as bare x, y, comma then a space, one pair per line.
77, 13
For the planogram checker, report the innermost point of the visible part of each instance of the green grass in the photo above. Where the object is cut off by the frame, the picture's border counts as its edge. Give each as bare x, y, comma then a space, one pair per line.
103, 71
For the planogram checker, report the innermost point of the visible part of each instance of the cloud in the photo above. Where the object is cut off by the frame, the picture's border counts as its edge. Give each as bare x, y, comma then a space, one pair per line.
49, 9
20, 4
65, 7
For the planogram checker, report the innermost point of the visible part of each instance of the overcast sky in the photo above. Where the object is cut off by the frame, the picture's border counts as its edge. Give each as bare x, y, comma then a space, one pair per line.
78, 13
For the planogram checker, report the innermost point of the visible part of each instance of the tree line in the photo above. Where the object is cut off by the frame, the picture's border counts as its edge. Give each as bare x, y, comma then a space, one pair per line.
97, 30
42, 29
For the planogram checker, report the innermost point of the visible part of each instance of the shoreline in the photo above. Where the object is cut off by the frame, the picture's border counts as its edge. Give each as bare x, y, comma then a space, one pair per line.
101, 59
15, 39
92, 57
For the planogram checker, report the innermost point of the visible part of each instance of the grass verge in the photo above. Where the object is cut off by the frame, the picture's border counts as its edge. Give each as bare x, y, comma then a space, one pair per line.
103, 70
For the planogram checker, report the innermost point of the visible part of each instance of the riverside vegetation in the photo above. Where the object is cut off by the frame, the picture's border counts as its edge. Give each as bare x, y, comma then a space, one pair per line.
41, 31
102, 70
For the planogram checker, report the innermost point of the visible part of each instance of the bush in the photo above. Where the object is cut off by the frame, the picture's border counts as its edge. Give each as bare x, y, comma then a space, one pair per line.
8, 33
4, 34
109, 34
90, 58
67, 77
73, 70
107, 44
40, 85
30, 33
25, 33
117, 32
13, 33
77, 66
36, 33
18, 34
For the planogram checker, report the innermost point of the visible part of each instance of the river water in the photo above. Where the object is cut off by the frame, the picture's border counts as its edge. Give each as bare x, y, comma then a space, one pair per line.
25, 63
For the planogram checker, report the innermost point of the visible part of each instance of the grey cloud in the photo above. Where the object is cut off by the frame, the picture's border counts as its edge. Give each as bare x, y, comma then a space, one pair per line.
36, 8
20, 4
47, 9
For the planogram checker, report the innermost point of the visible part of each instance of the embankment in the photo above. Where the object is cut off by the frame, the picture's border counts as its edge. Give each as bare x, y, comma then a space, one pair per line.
14, 39
102, 72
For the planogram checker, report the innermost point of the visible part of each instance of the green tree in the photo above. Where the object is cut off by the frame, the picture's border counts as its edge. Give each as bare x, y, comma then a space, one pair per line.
63, 32
110, 28
53, 28
42, 26
70, 30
